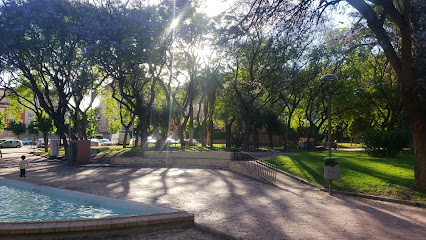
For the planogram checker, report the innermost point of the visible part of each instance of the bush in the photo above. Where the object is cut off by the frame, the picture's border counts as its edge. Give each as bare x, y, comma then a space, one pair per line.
219, 135
388, 143
237, 141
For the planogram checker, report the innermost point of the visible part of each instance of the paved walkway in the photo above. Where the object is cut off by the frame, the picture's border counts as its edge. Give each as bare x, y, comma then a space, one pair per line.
236, 205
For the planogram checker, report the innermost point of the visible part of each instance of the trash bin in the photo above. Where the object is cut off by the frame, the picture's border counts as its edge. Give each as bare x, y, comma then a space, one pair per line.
331, 168
54, 148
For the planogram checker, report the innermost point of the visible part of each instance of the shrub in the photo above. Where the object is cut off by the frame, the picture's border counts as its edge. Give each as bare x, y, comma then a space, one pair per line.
219, 135
387, 143
237, 141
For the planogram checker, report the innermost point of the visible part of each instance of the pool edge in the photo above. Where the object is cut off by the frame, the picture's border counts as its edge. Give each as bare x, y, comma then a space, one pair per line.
147, 223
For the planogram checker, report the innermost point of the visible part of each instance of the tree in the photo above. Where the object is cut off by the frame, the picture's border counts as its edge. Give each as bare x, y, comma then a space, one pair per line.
93, 117
253, 65
3, 124
33, 129
48, 46
18, 128
272, 123
226, 112
135, 60
214, 80
110, 110
161, 121
45, 125
406, 56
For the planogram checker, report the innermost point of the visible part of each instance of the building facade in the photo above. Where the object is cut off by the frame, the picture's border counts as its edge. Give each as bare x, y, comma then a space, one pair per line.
27, 116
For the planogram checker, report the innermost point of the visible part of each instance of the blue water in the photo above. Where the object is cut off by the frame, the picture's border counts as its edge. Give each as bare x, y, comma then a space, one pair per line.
37, 203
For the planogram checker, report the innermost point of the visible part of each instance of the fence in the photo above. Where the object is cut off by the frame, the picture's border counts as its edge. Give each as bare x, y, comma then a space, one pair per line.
263, 169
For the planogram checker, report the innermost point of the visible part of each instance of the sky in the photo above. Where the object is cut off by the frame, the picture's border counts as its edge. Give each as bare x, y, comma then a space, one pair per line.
212, 8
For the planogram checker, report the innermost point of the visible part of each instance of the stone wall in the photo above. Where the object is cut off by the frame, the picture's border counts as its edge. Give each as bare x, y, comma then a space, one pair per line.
188, 159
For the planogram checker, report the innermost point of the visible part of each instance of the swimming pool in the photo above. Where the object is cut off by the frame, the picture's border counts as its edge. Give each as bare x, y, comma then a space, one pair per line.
29, 208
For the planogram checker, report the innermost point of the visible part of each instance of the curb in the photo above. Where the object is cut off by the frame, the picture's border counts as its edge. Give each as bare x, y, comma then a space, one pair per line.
372, 197
353, 194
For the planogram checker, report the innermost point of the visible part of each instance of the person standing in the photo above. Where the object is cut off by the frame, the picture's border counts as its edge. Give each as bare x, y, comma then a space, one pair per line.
23, 165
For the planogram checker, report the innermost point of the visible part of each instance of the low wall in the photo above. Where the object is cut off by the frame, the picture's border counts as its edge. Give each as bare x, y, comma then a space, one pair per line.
198, 155
194, 159
170, 161
179, 158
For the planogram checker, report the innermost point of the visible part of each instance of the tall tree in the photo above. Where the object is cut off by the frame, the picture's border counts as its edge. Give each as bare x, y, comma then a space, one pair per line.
253, 66
48, 44
191, 38
28, 100
134, 54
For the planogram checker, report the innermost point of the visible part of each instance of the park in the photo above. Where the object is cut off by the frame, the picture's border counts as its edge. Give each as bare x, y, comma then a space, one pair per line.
268, 120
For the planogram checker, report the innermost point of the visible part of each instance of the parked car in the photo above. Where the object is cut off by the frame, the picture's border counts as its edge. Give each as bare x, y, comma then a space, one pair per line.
171, 141
105, 142
194, 141
40, 143
27, 141
11, 143
151, 139
95, 142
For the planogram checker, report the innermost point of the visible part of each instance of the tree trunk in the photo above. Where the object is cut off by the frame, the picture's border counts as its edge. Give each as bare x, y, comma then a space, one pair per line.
126, 134
228, 130
211, 103
210, 132
247, 123
419, 133
138, 135
256, 139
191, 125
271, 139
46, 141
203, 133
144, 135
127, 127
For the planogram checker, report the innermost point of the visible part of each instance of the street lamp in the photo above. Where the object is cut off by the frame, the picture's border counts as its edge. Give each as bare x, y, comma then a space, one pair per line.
69, 111
329, 78
286, 131
92, 98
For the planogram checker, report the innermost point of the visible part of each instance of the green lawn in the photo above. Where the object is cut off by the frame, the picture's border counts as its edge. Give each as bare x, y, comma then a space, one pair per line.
360, 173
348, 145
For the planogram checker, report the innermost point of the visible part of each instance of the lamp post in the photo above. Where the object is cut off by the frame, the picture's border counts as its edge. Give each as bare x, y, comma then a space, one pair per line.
286, 132
69, 111
92, 98
329, 79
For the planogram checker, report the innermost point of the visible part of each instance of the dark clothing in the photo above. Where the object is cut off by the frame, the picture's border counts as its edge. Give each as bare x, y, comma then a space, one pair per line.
22, 173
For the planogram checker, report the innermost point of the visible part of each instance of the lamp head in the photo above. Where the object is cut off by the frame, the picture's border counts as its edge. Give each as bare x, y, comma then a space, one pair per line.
329, 77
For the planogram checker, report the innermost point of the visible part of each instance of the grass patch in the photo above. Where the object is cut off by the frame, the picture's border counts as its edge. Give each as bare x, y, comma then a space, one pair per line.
388, 177
349, 145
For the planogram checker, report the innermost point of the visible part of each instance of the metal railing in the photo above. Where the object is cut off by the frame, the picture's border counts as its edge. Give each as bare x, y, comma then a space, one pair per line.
263, 169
